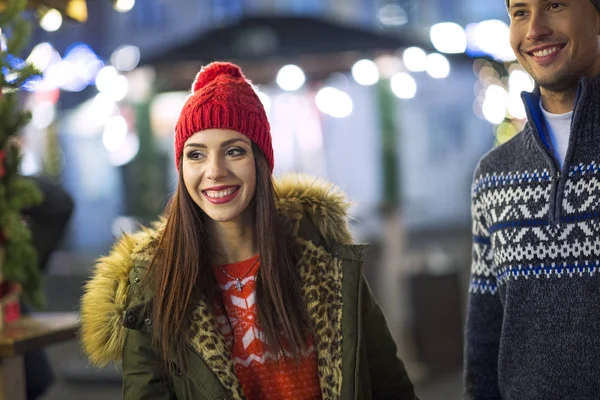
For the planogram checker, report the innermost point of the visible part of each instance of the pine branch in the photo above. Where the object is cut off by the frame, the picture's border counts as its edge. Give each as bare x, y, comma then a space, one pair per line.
16, 192
23, 193
19, 37
11, 10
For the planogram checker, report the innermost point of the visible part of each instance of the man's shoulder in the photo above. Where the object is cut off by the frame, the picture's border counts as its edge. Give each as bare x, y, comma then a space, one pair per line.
509, 156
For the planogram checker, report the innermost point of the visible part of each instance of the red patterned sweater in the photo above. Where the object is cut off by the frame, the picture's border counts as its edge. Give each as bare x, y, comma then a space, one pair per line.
259, 374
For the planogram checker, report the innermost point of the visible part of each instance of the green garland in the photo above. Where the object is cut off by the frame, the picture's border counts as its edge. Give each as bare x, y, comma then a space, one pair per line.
18, 259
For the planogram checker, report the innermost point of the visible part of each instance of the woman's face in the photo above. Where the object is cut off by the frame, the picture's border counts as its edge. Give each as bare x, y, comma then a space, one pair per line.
219, 173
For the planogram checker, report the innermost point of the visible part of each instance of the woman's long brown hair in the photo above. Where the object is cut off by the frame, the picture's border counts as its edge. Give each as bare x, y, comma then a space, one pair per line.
180, 274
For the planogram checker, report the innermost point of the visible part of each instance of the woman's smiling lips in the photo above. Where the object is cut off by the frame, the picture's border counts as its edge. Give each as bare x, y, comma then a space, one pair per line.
544, 55
221, 194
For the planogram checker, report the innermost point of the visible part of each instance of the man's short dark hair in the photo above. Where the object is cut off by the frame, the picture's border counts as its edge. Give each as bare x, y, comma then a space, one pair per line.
596, 3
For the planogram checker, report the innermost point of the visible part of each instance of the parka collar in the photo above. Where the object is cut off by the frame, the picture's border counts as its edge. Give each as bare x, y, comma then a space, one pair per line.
316, 213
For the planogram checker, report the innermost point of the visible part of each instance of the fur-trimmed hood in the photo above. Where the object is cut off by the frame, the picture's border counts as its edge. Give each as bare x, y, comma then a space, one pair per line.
312, 207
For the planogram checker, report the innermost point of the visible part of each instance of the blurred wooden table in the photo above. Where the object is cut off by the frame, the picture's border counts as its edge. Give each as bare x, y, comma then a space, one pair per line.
32, 332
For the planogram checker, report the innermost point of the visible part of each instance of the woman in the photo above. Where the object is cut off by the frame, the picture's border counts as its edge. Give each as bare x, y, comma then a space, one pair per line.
244, 290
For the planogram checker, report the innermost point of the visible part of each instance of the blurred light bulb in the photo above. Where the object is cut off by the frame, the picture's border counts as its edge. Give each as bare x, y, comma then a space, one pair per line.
438, 66
114, 134
108, 81
415, 59
105, 77
392, 15
520, 81
125, 58
365, 72
126, 152
403, 85
448, 37
290, 78
494, 105
52, 20
334, 102
124, 5
101, 108
41, 55
490, 37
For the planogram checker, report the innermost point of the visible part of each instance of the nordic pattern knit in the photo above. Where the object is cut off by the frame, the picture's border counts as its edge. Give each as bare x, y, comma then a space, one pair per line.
261, 377
533, 320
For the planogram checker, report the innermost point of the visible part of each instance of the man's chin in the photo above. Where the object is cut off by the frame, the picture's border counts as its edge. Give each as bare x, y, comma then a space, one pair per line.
556, 82
558, 86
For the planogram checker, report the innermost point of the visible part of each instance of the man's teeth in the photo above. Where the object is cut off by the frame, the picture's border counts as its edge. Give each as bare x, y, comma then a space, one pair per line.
221, 193
545, 52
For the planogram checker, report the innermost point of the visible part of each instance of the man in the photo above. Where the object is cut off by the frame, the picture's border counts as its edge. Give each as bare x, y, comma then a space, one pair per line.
49, 220
533, 323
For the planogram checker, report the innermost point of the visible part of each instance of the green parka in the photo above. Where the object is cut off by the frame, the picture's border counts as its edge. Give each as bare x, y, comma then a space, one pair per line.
356, 354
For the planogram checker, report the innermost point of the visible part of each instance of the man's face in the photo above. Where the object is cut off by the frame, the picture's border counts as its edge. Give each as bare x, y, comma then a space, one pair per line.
556, 42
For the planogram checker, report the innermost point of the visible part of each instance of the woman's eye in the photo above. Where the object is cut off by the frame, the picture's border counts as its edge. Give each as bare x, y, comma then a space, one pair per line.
554, 6
194, 155
235, 151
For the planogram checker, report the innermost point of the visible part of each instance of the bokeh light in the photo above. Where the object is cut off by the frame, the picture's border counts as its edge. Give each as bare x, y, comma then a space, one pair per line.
415, 59
365, 72
334, 102
52, 20
448, 37
438, 66
290, 78
403, 85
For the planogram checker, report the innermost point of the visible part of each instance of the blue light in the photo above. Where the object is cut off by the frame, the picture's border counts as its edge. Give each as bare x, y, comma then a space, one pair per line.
16, 64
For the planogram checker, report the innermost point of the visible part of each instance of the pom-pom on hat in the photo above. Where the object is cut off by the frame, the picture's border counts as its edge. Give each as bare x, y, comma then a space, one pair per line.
222, 98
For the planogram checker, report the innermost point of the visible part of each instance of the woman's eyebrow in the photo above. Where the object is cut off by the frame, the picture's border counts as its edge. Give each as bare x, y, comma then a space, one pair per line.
224, 144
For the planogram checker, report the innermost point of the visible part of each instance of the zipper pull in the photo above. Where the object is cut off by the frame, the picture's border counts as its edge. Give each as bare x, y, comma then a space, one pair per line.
557, 175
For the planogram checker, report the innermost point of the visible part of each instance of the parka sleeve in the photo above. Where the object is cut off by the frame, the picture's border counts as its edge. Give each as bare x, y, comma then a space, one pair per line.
142, 376
389, 379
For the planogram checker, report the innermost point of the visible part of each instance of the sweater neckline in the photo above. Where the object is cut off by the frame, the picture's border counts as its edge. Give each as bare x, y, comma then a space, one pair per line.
240, 268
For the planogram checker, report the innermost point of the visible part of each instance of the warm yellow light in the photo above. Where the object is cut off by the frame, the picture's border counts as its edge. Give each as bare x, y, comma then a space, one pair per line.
77, 9
505, 132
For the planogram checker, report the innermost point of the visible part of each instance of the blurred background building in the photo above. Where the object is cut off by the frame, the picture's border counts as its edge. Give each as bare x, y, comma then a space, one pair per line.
393, 100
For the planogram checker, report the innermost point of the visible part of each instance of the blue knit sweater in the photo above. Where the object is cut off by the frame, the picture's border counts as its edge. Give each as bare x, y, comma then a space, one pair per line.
533, 322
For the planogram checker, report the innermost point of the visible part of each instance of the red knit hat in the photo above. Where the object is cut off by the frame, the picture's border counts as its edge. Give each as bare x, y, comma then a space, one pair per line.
222, 98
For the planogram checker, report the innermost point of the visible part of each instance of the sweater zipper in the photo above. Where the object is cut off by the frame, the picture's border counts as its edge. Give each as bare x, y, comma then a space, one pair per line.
555, 173
559, 176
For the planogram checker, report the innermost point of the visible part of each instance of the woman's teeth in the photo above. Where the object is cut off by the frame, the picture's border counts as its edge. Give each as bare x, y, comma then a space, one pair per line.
221, 193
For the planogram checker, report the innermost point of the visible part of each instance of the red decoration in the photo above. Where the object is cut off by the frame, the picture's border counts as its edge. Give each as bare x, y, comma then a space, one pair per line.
10, 309
51, 95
